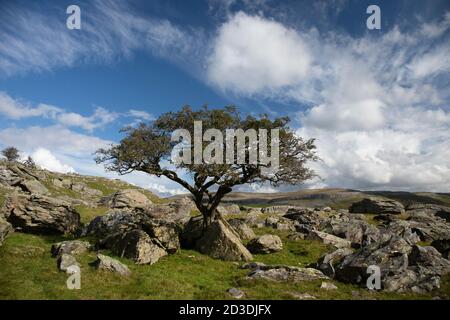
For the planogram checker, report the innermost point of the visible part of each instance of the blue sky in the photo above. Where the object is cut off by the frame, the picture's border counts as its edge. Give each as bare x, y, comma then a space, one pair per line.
376, 100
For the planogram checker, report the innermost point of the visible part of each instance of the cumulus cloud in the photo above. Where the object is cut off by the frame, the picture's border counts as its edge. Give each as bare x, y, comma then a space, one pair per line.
45, 159
241, 61
378, 105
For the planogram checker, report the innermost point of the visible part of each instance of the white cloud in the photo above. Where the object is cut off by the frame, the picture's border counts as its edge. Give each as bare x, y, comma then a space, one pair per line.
242, 62
45, 159
110, 30
15, 109
55, 138
98, 119
379, 104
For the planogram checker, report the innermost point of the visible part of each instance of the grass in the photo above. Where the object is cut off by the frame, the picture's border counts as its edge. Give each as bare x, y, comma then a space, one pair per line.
87, 214
29, 272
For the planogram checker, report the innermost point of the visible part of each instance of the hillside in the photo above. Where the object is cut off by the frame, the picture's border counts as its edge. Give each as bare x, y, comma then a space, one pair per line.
148, 236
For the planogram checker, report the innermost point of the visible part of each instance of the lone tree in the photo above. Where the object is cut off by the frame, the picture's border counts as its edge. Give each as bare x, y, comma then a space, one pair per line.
11, 154
148, 148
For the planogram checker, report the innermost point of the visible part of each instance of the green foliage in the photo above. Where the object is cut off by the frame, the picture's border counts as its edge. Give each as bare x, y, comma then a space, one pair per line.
11, 154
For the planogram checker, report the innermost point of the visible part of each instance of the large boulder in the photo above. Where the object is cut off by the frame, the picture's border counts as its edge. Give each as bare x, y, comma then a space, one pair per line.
109, 228
5, 229
429, 209
377, 206
135, 245
242, 229
403, 266
267, 243
41, 214
112, 265
127, 199
329, 239
220, 241
308, 219
327, 262
282, 273
428, 229
178, 211
32, 186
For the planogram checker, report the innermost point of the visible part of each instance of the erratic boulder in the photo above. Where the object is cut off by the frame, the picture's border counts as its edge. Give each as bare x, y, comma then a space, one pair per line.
220, 241
267, 243
377, 206
127, 199
41, 214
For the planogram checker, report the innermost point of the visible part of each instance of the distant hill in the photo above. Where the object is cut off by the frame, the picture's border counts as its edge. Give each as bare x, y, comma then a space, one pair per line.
335, 198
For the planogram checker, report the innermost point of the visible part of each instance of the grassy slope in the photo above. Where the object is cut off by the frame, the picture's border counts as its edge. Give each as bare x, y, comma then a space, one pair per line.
29, 272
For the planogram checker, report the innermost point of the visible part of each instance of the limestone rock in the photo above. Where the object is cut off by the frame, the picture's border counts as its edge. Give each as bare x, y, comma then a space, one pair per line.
65, 261
128, 198
109, 264
32, 186
72, 247
41, 214
267, 243
136, 245
327, 238
242, 229
377, 206
221, 242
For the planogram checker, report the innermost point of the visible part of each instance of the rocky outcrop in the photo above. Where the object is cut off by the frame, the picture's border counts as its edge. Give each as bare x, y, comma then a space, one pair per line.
135, 245
282, 273
280, 223
277, 209
32, 187
178, 211
242, 229
112, 265
430, 209
377, 206
220, 241
135, 235
267, 243
329, 239
228, 209
40, 214
127, 199
403, 265
327, 262
308, 219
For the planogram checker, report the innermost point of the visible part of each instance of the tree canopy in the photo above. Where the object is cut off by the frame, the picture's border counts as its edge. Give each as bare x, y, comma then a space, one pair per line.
150, 147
